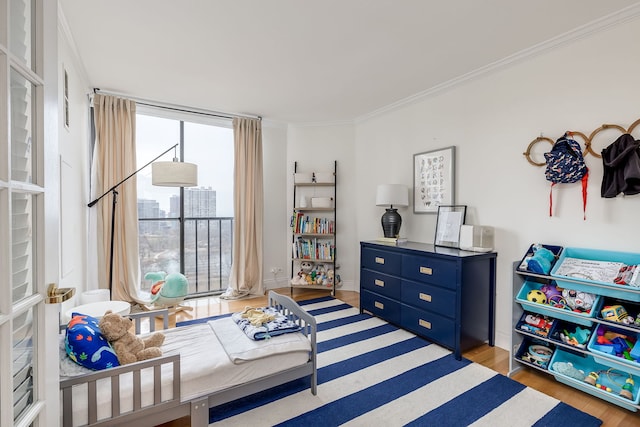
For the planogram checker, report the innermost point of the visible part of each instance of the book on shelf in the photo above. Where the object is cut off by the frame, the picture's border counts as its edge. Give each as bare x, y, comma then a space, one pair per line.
393, 240
301, 224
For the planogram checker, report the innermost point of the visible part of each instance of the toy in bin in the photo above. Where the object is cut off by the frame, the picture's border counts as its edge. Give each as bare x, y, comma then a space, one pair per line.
569, 299
539, 261
617, 343
617, 313
571, 334
614, 379
537, 354
537, 296
535, 324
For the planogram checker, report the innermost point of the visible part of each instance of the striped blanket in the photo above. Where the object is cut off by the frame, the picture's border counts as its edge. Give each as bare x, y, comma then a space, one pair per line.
372, 373
270, 323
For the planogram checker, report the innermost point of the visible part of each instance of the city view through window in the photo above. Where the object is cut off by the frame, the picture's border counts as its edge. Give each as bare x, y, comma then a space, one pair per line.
186, 230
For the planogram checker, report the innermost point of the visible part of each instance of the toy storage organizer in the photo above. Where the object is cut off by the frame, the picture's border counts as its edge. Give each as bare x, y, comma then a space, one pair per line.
544, 336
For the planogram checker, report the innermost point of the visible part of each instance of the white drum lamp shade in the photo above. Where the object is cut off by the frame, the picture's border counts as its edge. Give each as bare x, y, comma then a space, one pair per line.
174, 174
392, 195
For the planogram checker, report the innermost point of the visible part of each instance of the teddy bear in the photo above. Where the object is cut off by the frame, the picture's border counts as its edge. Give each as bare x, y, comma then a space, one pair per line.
128, 347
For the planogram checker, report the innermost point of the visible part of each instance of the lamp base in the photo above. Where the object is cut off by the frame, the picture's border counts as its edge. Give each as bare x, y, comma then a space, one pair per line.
391, 222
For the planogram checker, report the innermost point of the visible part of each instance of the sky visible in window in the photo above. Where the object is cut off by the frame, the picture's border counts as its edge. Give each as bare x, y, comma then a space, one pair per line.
209, 147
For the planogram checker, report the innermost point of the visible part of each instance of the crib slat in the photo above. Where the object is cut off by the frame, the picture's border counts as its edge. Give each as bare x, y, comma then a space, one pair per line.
67, 408
115, 395
157, 385
137, 390
93, 401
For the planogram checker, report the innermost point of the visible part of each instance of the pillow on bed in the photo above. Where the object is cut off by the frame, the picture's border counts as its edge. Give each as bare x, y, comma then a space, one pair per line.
69, 368
85, 344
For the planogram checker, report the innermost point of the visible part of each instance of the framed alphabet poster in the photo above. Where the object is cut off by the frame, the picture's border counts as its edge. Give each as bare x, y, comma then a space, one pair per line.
433, 179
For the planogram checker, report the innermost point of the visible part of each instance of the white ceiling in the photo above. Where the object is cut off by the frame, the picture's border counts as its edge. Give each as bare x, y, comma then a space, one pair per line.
309, 61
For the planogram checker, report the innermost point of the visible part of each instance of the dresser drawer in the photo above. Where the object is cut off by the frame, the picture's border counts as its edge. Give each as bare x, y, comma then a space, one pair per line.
380, 306
380, 283
429, 297
382, 261
430, 325
430, 270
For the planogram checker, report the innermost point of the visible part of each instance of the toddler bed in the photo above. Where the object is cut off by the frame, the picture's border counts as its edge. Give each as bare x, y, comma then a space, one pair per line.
203, 365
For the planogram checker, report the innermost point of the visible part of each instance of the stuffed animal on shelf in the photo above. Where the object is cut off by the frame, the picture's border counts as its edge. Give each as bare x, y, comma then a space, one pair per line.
541, 260
128, 347
578, 300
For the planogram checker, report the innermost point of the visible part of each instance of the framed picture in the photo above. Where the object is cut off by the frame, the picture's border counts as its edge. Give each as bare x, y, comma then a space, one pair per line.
433, 179
449, 221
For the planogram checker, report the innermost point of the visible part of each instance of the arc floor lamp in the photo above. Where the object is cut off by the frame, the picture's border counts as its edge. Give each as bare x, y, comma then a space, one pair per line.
164, 174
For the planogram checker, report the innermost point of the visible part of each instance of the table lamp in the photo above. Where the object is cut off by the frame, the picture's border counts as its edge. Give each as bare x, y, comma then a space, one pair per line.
393, 196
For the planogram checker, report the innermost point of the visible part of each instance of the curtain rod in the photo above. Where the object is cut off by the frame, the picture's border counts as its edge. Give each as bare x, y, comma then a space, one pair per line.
179, 108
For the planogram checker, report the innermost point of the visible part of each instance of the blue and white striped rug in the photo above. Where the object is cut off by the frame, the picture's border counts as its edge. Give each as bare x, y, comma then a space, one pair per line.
371, 373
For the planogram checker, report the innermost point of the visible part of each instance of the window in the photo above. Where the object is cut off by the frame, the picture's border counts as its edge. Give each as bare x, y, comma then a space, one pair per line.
187, 230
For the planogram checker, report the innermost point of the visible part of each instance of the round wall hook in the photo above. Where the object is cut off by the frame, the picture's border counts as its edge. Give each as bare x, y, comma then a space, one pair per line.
527, 153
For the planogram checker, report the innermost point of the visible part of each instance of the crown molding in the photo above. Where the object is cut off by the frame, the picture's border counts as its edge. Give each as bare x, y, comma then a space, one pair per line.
608, 21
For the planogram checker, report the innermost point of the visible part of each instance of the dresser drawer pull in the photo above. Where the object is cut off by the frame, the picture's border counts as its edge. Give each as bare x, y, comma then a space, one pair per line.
425, 297
426, 270
379, 282
379, 305
424, 324
379, 260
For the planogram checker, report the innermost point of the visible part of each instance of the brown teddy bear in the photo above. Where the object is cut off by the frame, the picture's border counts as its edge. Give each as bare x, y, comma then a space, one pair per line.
128, 347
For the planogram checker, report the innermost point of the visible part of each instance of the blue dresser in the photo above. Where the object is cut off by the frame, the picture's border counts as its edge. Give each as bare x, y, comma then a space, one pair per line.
444, 295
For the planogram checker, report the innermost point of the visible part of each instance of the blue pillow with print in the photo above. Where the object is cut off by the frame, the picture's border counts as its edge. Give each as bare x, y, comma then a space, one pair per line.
85, 344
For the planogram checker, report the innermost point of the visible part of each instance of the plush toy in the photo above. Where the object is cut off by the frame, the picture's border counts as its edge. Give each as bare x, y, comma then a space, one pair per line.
128, 347
578, 300
551, 291
541, 260
167, 290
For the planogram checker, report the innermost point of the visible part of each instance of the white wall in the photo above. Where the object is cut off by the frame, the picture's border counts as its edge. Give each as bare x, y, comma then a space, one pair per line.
276, 212
74, 188
491, 120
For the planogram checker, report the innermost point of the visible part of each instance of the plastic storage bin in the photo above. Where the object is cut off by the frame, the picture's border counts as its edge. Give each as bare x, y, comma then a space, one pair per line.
579, 282
584, 319
608, 353
586, 364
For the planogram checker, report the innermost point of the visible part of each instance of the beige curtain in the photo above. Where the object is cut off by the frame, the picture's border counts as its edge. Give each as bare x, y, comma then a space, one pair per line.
246, 270
114, 160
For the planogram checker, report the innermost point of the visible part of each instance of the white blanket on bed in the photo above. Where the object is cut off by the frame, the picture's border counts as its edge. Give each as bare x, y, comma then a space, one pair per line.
241, 349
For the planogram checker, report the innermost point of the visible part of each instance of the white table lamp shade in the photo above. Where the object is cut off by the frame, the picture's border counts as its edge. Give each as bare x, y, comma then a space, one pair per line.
396, 195
174, 174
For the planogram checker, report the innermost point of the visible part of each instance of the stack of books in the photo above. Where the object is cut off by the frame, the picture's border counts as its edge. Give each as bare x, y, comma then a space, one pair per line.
392, 240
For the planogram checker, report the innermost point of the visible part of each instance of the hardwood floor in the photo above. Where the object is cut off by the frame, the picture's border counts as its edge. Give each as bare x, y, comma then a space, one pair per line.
492, 357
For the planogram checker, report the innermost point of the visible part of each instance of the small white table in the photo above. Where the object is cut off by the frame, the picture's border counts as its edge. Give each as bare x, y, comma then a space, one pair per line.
97, 309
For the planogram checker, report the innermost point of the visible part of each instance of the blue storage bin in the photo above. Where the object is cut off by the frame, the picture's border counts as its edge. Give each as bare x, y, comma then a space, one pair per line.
606, 354
610, 289
555, 249
584, 319
587, 364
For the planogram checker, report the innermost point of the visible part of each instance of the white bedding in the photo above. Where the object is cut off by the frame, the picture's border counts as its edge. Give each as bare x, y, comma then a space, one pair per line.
205, 365
242, 349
